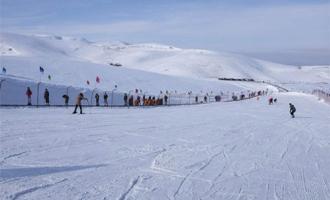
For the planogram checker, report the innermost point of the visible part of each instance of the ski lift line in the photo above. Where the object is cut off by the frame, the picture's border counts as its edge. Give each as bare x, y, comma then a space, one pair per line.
173, 98
120, 106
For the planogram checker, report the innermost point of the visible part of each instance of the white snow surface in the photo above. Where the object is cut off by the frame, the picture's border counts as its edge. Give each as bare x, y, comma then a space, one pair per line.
238, 150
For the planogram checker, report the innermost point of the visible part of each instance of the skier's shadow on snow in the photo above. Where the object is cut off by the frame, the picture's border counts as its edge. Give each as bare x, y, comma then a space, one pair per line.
37, 171
302, 117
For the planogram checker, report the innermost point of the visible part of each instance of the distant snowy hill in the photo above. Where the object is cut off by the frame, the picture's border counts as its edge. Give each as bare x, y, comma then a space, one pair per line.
72, 61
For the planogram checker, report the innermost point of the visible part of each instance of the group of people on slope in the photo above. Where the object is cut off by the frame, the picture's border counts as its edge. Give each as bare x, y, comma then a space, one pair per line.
292, 108
144, 100
138, 101
272, 100
29, 96
105, 99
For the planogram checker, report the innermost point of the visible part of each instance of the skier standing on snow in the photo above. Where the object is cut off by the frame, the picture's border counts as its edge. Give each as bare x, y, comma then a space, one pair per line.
105, 97
131, 100
144, 99
66, 99
29, 94
270, 101
292, 110
165, 99
205, 99
97, 98
80, 97
125, 99
46, 96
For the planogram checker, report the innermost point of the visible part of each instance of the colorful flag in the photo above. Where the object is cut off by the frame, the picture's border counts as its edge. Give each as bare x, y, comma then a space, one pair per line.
87, 82
98, 79
41, 69
4, 70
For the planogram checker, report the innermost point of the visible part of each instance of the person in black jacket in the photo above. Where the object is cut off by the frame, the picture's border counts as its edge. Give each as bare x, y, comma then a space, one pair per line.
46, 97
165, 99
292, 110
105, 98
131, 100
97, 98
66, 99
125, 99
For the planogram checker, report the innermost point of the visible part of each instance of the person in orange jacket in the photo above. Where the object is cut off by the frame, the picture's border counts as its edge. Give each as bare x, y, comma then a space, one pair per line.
80, 97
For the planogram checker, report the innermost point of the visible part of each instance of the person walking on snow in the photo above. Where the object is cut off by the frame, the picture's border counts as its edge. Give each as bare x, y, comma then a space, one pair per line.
29, 94
292, 110
46, 97
105, 97
97, 98
80, 97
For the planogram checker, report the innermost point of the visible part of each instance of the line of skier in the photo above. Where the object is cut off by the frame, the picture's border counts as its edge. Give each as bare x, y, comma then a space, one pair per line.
129, 100
143, 100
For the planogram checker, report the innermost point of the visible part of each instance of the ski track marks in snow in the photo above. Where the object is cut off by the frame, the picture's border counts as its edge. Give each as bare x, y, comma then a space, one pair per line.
229, 154
131, 187
33, 189
11, 156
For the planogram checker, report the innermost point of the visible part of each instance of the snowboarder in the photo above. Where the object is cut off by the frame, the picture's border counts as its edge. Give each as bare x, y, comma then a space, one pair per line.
275, 100
205, 99
196, 99
292, 110
125, 99
66, 99
46, 97
97, 98
80, 97
105, 97
29, 94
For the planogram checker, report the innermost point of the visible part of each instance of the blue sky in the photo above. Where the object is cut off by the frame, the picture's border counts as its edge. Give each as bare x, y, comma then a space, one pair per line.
233, 25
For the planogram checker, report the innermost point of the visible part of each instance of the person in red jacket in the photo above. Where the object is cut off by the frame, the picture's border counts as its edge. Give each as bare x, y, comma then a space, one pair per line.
29, 94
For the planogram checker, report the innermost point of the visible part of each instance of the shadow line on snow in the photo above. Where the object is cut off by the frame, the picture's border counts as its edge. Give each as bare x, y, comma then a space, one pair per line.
302, 117
37, 171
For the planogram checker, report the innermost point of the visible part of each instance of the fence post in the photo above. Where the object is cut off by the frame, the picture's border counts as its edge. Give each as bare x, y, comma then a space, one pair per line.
92, 97
67, 93
1, 81
67, 90
189, 98
38, 86
112, 101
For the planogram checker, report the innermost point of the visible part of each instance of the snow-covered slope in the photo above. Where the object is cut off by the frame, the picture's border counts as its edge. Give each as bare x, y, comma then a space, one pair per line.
156, 58
240, 150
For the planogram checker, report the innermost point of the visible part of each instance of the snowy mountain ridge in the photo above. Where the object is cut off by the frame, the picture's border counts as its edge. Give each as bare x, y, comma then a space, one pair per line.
81, 58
